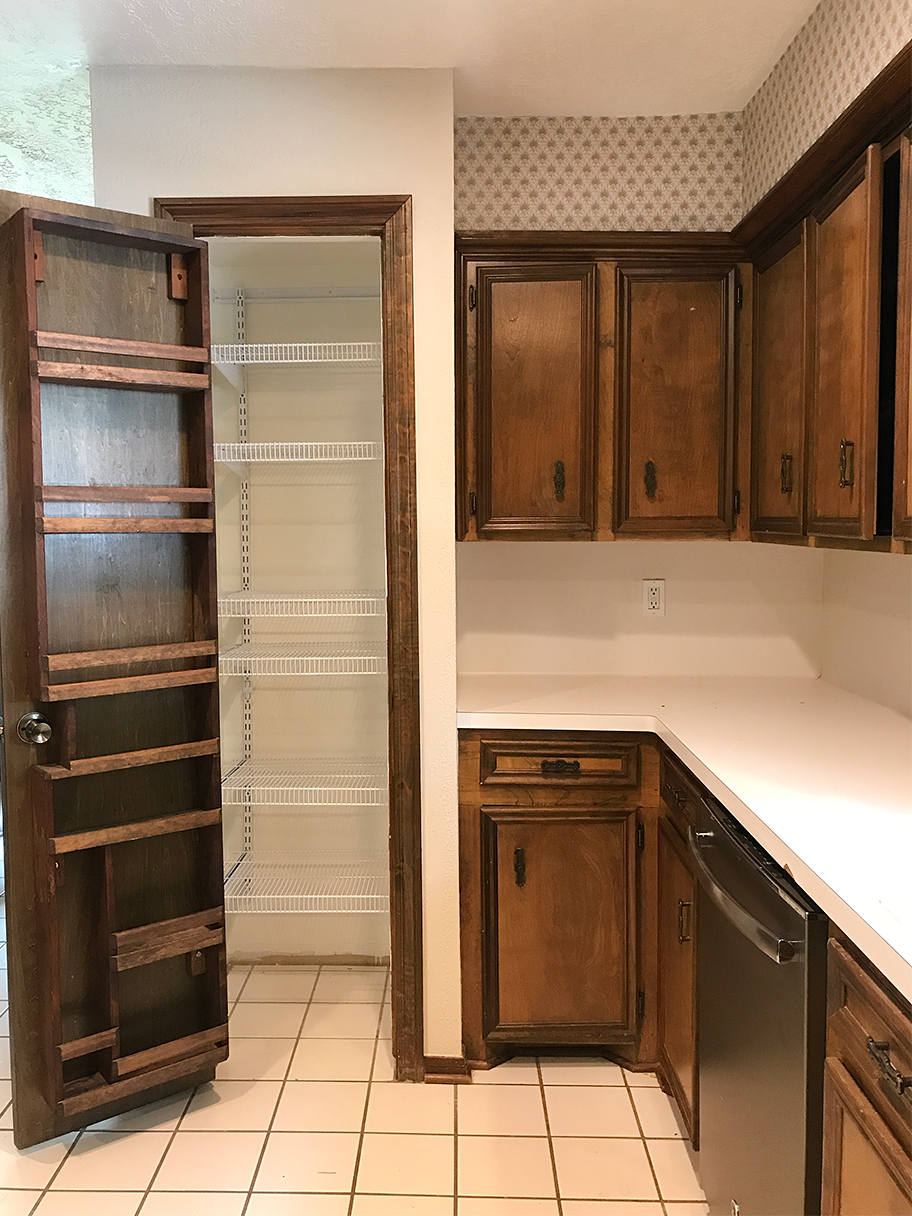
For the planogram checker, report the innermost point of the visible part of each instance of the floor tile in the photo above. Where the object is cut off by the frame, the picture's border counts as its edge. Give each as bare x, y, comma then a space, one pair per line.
232, 1106
506, 1207
581, 1070
609, 1207
671, 1162
673, 1209
236, 978
209, 1161
6, 1120
401, 1107
18, 1203
279, 984
321, 1106
501, 1110
403, 1205
521, 1071
386, 1023
384, 1063
112, 1161
308, 1161
266, 1021
4, 984
89, 1203
256, 1059
340, 1021
332, 1060
4, 1059
640, 1080
160, 1116
6, 1093
297, 1205
365, 987
591, 1110
202, 1203
498, 1165
4, 1023
657, 1115
403, 1164
603, 1169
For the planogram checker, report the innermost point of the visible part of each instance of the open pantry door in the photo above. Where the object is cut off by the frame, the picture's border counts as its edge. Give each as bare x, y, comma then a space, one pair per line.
108, 668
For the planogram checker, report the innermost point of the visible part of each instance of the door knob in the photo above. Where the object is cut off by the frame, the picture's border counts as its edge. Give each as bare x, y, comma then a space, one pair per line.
33, 728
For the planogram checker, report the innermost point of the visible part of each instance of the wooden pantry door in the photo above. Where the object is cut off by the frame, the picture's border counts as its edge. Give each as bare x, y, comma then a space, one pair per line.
108, 669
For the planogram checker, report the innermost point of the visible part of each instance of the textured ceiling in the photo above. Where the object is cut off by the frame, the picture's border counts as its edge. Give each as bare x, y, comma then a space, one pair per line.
511, 57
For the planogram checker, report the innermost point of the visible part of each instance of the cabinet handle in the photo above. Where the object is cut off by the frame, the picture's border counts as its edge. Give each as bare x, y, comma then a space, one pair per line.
560, 480
880, 1054
560, 766
680, 798
846, 464
519, 866
786, 479
650, 480
682, 936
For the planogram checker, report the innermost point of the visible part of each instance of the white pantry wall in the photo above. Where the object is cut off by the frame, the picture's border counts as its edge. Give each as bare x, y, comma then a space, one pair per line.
237, 131
731, 609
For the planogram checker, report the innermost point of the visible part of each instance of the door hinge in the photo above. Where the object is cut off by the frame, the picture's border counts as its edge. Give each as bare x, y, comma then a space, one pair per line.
473, 297
739, 296
641, 1004
736, 502
473, 503
641, 835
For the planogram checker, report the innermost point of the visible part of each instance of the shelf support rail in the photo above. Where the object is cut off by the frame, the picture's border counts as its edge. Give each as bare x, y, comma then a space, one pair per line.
241, 317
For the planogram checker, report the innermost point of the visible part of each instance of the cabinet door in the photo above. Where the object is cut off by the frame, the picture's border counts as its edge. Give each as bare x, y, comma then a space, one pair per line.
780, 387
112, 822
677, 975
559, 924
902, 495
535, 401
845, 236
675, 401
865, 1170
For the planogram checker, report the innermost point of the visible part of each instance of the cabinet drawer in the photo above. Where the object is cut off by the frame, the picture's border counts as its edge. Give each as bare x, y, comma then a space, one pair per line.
612, 765
872, 1036
679, 788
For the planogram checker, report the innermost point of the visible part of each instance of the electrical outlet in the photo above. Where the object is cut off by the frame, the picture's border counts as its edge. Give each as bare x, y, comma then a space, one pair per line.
653, 597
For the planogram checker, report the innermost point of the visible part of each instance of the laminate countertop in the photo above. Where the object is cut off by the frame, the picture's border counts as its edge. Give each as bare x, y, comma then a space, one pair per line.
820, 777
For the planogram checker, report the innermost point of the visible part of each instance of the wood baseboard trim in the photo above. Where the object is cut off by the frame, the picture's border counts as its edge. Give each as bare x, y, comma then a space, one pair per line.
447, 1070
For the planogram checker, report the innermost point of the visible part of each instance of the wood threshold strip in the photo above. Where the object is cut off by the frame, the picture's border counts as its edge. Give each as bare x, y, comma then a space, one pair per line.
124, 684
129, 654
168, 1053
61, 524
119, 760
122, 346
84, 1047
118, 377
102, 1095
123, 494
166, 825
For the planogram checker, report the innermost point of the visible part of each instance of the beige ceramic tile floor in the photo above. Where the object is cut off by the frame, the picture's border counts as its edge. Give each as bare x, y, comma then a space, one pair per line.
306, 1120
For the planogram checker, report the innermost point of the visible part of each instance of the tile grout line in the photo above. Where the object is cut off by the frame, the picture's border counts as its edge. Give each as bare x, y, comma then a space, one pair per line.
370, 1081
636, 1115
155, 1173
57, 1171
288, 1068
541, 1086
456, 1150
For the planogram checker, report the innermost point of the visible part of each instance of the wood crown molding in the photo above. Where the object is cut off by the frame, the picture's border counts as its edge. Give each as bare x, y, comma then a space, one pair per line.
533, 246
274, 215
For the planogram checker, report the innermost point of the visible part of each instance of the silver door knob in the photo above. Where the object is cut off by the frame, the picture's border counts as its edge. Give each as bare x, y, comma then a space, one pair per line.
33, 728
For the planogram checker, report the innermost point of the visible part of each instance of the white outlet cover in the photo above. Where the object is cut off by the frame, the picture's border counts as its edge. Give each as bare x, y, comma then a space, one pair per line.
653, 597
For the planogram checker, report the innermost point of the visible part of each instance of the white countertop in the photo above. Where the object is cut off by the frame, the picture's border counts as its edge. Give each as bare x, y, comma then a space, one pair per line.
820, 777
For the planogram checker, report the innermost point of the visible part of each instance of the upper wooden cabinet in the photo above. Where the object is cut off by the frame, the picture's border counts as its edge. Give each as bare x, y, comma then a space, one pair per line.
780, 383
675, 401
534, 416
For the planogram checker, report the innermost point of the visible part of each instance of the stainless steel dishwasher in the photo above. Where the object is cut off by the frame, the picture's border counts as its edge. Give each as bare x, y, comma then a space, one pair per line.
761, 985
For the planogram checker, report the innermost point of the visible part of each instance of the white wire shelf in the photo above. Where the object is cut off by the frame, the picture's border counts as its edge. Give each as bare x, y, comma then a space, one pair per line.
327, 782
303, 603
278, 453
259, 659
309, 882
365, 353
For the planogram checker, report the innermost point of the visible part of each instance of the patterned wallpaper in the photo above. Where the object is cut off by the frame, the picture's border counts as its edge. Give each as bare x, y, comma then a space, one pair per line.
837, 52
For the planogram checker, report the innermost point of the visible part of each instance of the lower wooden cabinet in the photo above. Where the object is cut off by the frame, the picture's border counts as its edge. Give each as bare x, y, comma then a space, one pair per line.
677, 975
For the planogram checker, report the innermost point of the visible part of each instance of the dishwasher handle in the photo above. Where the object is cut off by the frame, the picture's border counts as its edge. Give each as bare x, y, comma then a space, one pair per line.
769, 943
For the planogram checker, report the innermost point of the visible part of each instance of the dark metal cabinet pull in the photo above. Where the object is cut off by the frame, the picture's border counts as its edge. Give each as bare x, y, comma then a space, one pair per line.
560, 766
786, 478
880, 1054
560, 480
682, 936
846, 464
519, 866
650, 480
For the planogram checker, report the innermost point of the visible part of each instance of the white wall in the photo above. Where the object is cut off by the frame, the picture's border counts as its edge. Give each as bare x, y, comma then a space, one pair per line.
731, 609
198, 131
867, 625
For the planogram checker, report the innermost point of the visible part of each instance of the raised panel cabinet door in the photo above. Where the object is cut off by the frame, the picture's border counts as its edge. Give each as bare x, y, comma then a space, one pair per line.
865, 1170
845, 233
781, 356
559, 924
677, 975
902, 484
108, 669
535, 401
675, 401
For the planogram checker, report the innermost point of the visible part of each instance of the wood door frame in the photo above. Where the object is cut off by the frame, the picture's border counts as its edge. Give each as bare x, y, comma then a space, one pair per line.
388, 217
